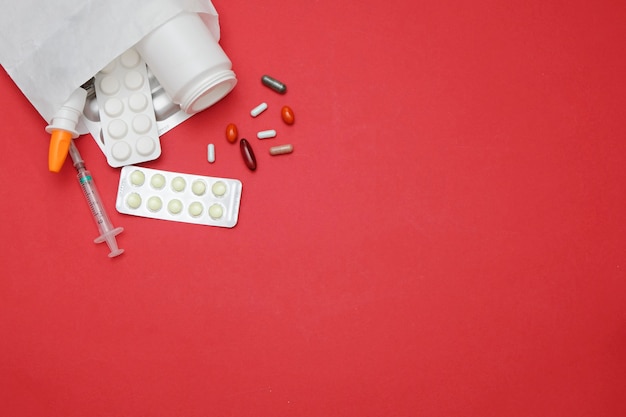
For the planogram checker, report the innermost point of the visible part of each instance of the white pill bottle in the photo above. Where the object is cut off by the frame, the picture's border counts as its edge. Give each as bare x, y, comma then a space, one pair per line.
188, 62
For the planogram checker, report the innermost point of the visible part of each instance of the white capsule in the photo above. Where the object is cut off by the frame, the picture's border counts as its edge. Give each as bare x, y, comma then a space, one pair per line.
258, 109
266, 134
211, 156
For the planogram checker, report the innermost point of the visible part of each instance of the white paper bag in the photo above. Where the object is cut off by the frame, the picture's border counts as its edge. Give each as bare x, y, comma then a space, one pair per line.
50, 48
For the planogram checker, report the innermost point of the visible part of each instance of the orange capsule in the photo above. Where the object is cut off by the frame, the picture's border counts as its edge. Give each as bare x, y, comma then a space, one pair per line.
287, 114
231, 133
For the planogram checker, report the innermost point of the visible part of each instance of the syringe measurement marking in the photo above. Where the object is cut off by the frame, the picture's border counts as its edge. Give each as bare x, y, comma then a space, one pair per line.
91, 198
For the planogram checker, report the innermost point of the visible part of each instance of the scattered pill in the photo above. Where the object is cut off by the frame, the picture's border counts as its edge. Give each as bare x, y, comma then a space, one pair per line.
178, 184
137, 178
258, 109
211, 151
266, 134
274, 84
281, 149
247, 154
287, 114
231, 133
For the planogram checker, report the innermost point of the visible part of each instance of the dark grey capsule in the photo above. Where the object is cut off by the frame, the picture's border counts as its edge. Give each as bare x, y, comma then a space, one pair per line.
274, 84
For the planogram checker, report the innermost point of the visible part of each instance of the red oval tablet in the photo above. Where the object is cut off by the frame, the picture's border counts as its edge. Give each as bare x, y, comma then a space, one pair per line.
287, 114
231, 133
247, 154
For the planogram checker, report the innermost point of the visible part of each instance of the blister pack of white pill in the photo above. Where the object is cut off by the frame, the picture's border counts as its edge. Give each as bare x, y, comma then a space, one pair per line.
179, 197
127, 118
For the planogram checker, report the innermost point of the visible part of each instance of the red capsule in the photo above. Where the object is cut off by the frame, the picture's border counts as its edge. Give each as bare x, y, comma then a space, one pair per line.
231, 133
287, 114
247, 154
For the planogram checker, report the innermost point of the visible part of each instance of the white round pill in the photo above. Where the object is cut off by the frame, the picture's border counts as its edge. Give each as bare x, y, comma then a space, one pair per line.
133, 80
133, 200
113, 107
178, 184
145, 145
141, 123
138, 102
198, 187
117, 129
121, 151
157, 181
109, 85
155, 203
175, 206
137, 178
129, 58
219, 189
216, 211
195, 209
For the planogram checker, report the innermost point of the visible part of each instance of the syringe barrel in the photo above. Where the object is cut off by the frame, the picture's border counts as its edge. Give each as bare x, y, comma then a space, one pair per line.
93, 199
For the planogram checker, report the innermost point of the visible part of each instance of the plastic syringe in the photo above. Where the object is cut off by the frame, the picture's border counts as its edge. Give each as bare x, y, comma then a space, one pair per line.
107, 232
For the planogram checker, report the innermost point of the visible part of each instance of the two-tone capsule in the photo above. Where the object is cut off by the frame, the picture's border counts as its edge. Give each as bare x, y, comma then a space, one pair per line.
274, 84
247, 154
281, 149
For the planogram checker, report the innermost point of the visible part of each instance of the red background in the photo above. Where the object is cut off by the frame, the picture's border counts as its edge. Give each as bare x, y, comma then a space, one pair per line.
447, 239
